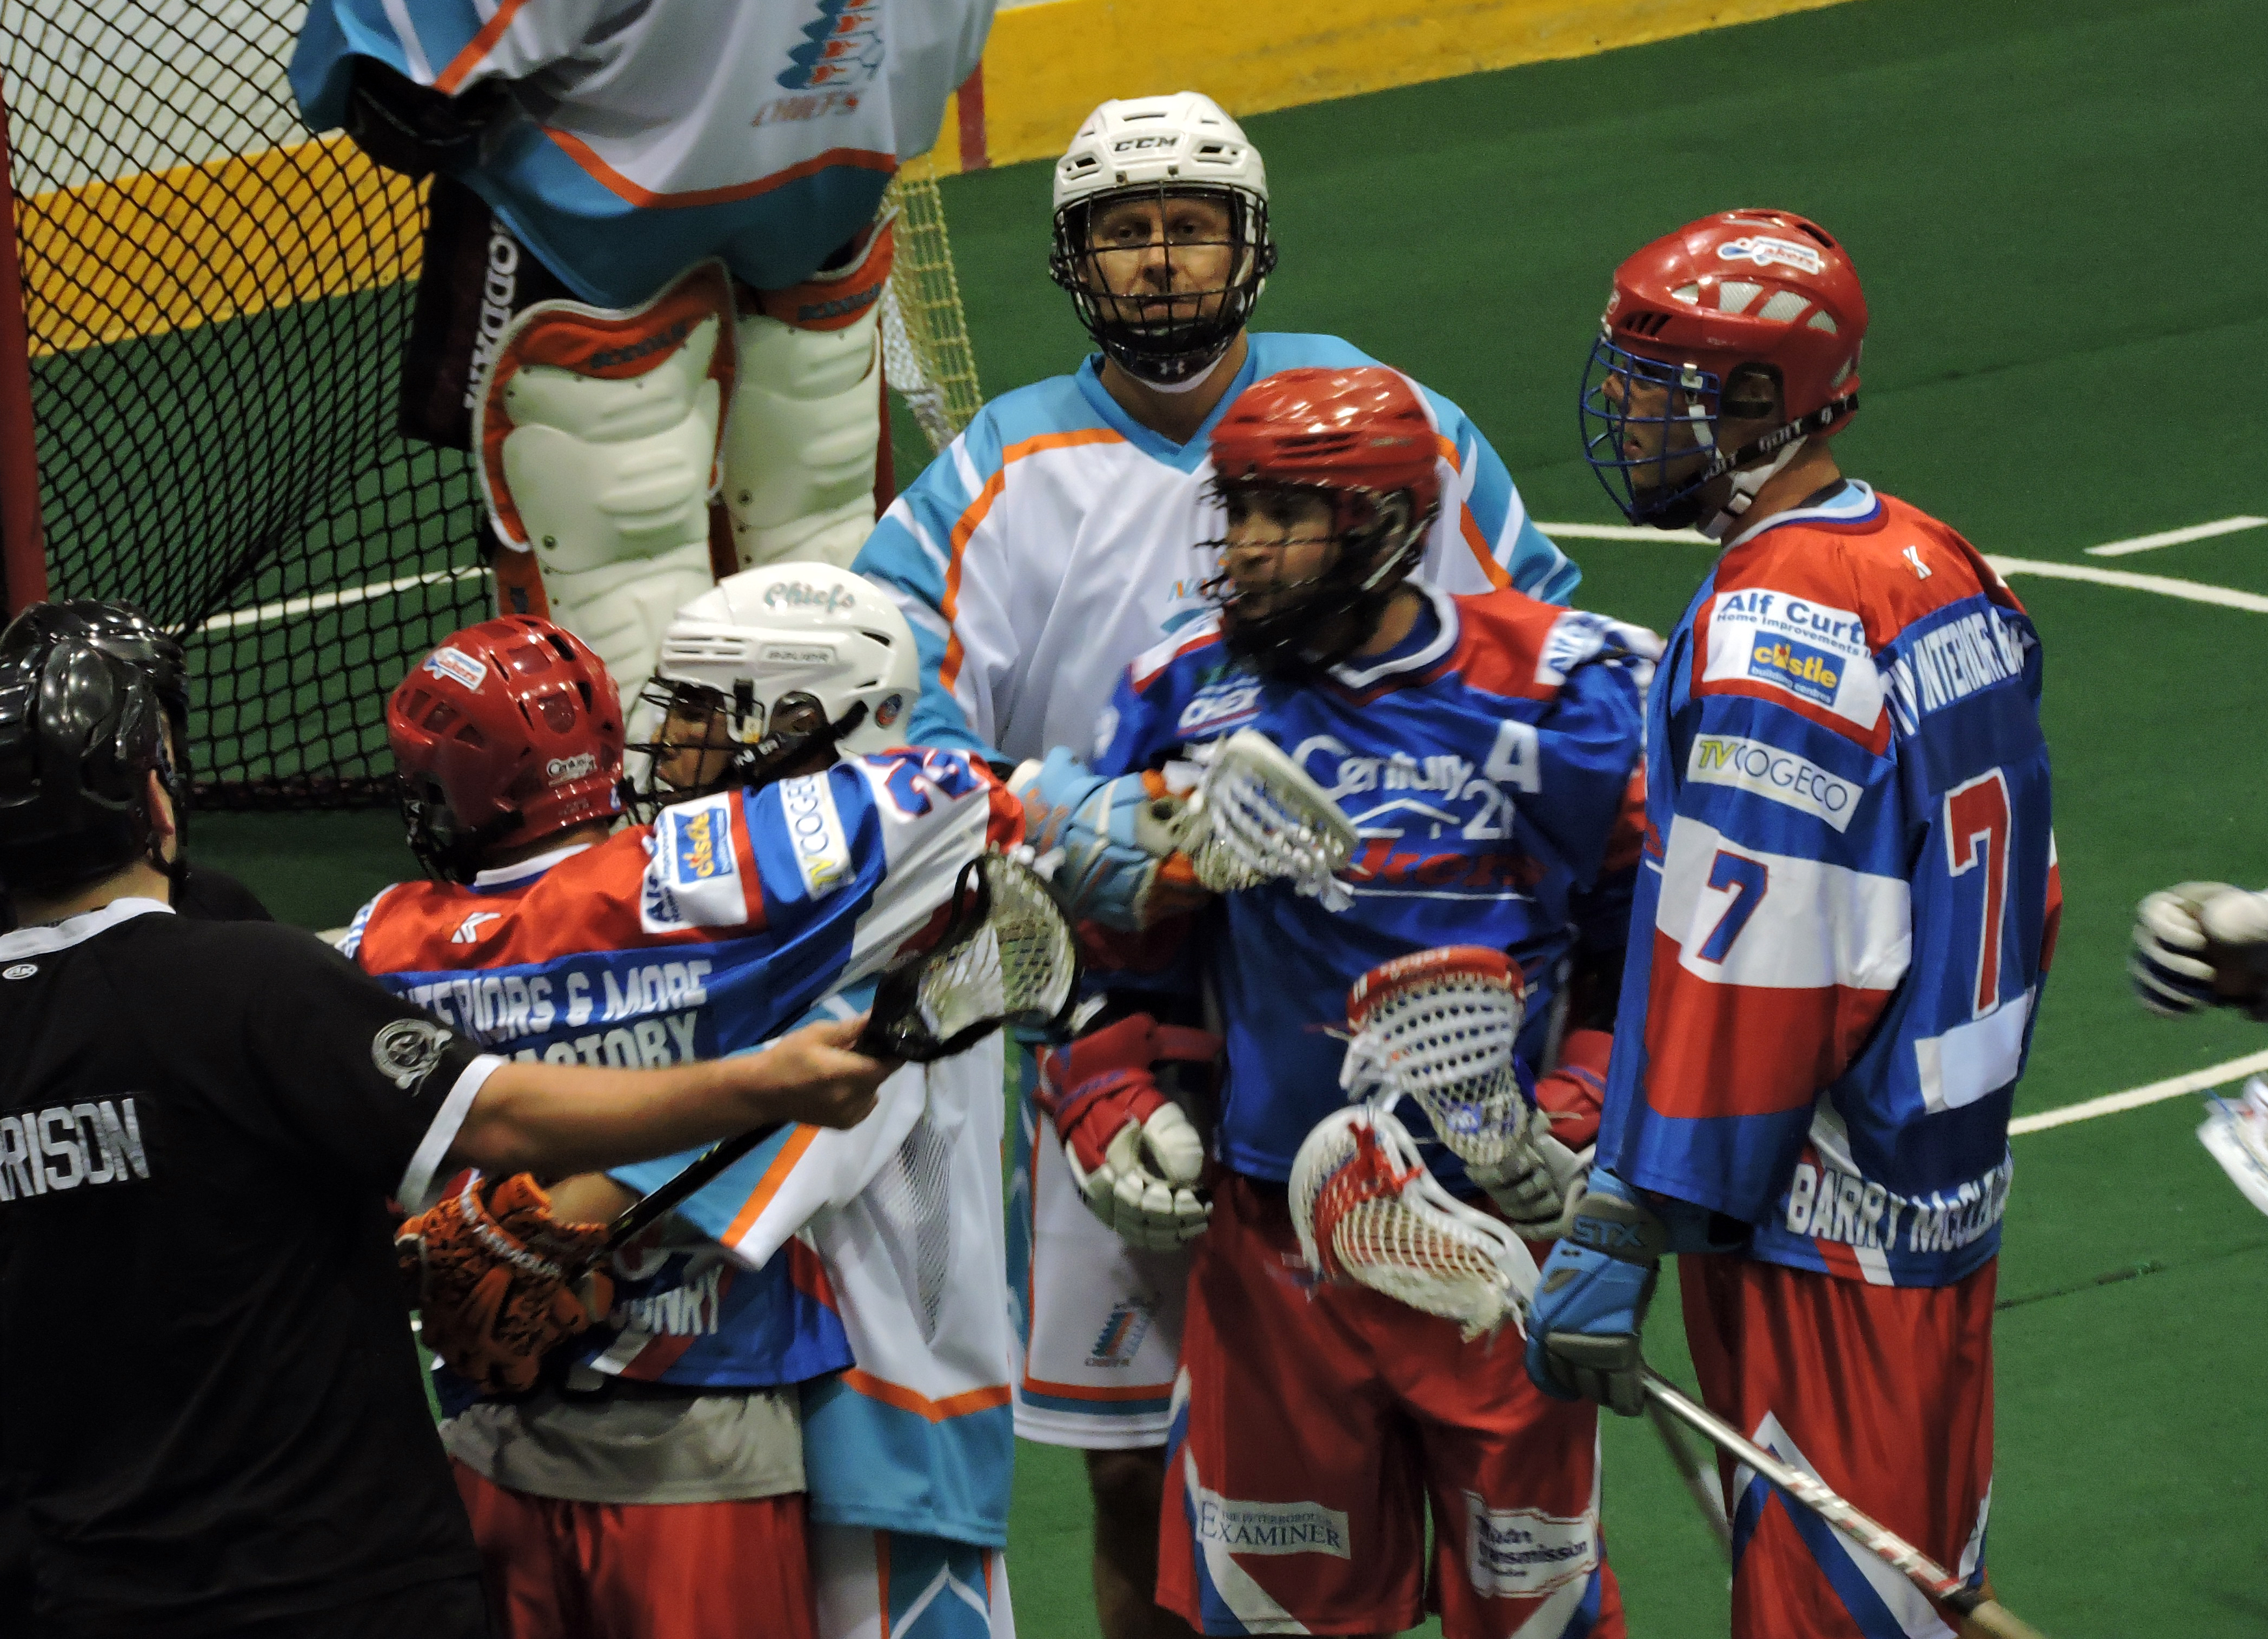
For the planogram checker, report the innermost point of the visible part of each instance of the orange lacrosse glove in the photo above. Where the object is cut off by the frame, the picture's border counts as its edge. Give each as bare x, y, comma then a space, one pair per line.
500, 1281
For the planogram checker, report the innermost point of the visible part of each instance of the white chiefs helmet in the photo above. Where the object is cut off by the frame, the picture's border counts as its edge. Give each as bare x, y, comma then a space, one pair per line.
1161, 147
782, 649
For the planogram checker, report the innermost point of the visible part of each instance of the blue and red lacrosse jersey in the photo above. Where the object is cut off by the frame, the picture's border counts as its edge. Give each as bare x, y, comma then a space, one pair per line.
1848, 901
707, 934
1484, 763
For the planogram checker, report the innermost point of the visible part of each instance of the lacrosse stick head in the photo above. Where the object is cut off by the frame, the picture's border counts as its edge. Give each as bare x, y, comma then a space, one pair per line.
1366, 1210
1005, 958
1257, 817
1438, 1027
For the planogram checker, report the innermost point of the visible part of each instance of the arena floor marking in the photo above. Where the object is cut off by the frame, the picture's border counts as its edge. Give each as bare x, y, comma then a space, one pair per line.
2135, 1097
2164, 586
2176, 537
315, 602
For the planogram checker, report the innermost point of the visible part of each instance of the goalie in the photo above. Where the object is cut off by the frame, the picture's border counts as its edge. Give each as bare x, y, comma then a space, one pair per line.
653, 261
672, 1450
1482, 747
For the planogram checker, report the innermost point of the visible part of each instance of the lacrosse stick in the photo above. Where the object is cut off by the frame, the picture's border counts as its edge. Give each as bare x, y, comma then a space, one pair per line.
1255, 817
1005, 958
1366, 1210
1700, 1483
1977, 1613
1437, 1028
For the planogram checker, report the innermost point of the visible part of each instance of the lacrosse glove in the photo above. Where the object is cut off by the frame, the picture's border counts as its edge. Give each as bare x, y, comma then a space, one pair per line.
499, 1282
1536, 1187
1118, 838
2174, 967
1134, 1155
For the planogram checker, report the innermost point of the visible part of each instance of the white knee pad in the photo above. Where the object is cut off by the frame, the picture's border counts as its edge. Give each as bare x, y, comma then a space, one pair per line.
807, 418
598, 432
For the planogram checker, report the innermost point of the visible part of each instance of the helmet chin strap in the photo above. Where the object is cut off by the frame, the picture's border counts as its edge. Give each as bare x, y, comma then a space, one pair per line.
1747, 482
1188, 386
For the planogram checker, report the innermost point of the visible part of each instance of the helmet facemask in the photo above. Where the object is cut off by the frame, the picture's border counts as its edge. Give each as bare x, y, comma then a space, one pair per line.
708, 742
1299, 628
1158, 332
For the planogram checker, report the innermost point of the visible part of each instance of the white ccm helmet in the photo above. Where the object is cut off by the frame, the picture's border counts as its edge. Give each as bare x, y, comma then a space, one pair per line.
1161, 147
757, 639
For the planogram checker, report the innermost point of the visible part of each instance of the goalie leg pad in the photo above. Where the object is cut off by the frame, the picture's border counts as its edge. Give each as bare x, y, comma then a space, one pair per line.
597, 434
806, 419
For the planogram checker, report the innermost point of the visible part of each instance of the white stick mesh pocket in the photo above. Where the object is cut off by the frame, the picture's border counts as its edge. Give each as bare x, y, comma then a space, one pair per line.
1256, 817
1367, 1210
1438, 1027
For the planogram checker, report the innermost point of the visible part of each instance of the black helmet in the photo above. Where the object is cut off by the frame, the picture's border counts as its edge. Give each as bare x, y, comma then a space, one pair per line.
83, 720
124, 631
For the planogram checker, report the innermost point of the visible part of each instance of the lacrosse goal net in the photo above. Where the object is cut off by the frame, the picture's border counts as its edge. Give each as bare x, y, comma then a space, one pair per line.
213, 307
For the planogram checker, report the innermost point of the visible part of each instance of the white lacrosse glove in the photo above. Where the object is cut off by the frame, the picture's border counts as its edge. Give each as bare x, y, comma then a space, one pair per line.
1133, 1152
1537, 1183
2173, 964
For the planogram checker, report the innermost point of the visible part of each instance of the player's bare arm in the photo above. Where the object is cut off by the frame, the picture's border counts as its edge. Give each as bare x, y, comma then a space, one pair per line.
559, 1120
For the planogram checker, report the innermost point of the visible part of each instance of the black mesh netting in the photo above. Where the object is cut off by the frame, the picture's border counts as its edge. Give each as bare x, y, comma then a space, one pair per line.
216, 306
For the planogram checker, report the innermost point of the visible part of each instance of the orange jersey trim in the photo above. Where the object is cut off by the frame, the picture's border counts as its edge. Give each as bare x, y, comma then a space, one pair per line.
1469, 525
478, 47
907, 1399
976, 512
768, 1185
614, 182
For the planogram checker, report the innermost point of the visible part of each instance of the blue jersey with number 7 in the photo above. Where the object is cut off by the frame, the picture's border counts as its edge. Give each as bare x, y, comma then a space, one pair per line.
1847, 900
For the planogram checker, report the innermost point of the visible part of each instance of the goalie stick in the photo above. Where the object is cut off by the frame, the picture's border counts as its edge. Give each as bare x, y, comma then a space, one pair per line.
1005, 958
1978, 1613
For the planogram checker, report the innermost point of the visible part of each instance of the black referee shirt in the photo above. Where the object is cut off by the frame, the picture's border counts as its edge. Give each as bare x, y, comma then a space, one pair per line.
209, 1404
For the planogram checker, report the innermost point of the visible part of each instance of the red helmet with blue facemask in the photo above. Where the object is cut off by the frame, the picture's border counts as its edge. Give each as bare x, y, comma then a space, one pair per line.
1701, 325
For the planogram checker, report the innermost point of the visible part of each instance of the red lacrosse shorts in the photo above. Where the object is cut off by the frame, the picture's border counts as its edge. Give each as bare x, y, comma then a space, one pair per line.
1885, 1395
1313, 1425
558, 1569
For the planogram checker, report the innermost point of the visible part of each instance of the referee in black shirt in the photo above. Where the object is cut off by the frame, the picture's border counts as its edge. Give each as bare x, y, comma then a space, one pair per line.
211, 1420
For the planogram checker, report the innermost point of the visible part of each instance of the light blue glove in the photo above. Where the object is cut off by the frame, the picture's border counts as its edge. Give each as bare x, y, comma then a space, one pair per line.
1586, 1323
1113, 836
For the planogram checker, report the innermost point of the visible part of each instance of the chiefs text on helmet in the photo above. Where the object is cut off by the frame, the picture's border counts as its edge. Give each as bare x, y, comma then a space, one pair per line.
1363, 440
1162, 149
508, 733
1698, 324
790, 655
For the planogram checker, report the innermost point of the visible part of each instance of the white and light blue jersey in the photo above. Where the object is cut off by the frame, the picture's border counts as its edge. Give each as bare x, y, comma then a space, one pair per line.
1057, 538
639, 139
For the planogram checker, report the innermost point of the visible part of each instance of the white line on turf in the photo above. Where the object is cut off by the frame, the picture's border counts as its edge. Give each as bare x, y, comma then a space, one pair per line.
1626, 532
313, 602
2175, 537
2164, 586
2135, 1097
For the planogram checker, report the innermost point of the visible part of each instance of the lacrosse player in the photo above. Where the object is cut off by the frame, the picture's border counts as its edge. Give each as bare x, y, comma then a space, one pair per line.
1848, 906
1482, 748
214, 1421
674, 1440
1044, 550
652, 260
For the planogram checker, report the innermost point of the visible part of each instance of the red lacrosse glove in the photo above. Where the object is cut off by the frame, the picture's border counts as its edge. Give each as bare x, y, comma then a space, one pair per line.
1134, 1154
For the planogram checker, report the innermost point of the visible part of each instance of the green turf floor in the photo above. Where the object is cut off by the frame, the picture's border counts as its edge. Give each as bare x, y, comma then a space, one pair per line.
2058, 209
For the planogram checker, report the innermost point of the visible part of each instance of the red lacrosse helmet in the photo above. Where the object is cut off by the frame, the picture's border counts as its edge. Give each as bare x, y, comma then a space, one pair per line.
509, 732
1740, 288
1361, 438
